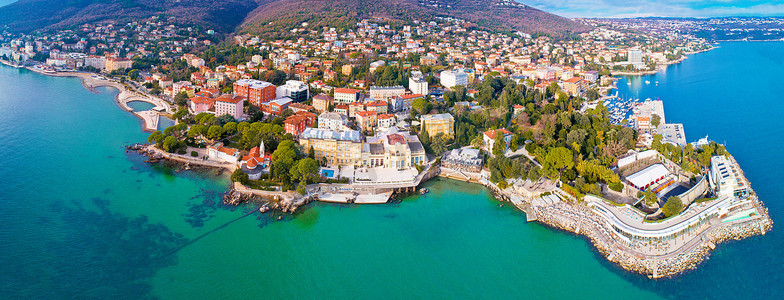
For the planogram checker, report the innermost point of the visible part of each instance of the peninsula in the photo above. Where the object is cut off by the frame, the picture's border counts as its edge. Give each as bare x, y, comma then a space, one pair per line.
368, 111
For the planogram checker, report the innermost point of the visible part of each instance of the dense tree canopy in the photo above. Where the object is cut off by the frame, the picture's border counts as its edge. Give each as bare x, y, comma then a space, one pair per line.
672, 207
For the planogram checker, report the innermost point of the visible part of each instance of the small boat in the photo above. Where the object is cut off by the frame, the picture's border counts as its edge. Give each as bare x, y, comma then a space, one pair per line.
647, 82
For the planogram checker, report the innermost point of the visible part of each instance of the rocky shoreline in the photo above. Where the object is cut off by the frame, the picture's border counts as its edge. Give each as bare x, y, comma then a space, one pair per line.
581, 220
652, 267
570, 217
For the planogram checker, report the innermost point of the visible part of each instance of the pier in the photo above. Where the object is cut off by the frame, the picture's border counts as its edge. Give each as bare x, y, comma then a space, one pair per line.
149, 117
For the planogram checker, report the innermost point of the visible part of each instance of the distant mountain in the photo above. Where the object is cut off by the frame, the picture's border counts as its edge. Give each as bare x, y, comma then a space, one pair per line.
274, 17
30, 15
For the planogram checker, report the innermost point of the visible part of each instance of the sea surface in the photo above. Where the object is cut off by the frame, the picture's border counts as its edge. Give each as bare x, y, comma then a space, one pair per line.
81, 218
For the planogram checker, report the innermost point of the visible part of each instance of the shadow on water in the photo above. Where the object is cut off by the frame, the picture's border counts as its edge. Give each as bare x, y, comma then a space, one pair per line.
202, 211
95, 254
174, 251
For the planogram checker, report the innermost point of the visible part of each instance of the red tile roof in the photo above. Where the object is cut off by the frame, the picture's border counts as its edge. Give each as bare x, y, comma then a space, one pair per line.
396, 139
366, 113
491, 133
385, 116
230, 98
346, 91
202, 100
377, 103
411, 96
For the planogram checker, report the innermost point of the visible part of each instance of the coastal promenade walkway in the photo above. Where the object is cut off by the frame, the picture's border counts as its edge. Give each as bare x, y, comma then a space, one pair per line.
689, 229
149, 117
190, 160
286, 196
90, 81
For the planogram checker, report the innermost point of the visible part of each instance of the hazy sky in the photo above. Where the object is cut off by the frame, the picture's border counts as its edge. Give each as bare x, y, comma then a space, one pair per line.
667, 8
648, 8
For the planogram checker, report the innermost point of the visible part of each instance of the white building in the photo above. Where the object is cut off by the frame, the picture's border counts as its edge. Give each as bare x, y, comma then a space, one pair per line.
635, 56
385, 121
296, 90
98, 62
332, 120
56, 62
489, 138
417, 83
392, 149
257, 59
177, 86
386, 92
725, 180
403, 103
452, 78
224, 154
346, 96
376, 64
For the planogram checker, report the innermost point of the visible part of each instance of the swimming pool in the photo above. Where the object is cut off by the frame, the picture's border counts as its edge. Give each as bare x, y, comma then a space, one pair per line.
740, 216
328, 173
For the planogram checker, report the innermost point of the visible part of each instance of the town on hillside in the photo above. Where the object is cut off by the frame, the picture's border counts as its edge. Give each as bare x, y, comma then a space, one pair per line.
354, 115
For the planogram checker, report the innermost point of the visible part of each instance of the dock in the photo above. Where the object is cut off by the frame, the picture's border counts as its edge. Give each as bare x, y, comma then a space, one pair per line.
149, 118
380, 198
525, 207
373, 198
335, 198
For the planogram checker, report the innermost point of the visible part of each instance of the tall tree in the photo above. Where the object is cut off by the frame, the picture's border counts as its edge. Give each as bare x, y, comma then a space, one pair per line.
560, 158
673, 206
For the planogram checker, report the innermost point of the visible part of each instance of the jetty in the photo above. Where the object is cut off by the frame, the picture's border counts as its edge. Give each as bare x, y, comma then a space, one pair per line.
150, 117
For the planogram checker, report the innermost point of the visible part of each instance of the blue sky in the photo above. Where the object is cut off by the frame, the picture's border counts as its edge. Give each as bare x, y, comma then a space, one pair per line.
659, 8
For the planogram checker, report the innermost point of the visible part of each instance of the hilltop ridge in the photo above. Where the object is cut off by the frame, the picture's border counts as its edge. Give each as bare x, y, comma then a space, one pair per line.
31, 15
274, 18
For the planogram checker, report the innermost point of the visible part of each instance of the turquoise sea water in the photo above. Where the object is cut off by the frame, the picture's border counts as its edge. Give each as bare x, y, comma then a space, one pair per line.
140, 106
81, 218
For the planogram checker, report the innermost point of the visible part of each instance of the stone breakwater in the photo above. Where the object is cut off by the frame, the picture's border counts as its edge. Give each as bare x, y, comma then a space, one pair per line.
582, 220
579, 219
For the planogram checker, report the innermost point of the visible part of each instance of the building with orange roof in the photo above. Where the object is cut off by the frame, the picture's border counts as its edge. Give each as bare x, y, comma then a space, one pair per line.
200, 104
255, 91
573, 86
341, 109
379, 106
403, 102
255, 163
490, 135
366, 120
346, 96
298, 107
296, 124
230, 105
385, 120
354, 108
220, 153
